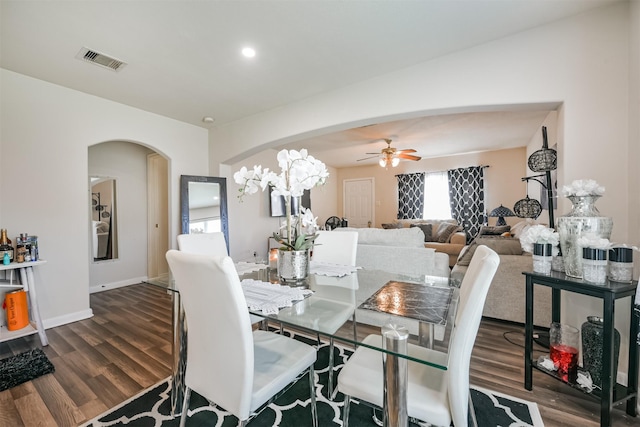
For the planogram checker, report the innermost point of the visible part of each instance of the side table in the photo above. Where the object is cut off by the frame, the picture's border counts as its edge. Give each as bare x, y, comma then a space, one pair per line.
27, 282
612, 393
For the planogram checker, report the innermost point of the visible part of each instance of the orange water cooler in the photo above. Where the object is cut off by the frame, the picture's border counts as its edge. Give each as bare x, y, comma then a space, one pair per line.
15, 303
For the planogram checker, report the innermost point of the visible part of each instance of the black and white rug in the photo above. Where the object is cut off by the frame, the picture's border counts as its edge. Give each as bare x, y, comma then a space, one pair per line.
152, 407
24, 367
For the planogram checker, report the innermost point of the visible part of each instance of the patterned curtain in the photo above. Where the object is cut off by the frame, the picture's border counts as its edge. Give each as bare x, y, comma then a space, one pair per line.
466, 195
410, 195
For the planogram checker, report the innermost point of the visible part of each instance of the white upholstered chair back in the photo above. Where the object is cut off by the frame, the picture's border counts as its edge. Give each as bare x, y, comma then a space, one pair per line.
203, 243
228, 363
435, 396
336, 247
220, 357
473, 293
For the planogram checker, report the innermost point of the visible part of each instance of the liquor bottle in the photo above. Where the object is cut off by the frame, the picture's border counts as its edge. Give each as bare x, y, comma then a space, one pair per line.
26, 244
5, 245
20, 249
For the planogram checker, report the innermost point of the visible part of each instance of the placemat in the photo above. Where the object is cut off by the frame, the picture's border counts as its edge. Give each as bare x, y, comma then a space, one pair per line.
331, 270
413, 300
269, 297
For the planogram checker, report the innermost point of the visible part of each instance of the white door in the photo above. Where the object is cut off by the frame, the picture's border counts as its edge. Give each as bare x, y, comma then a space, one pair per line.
358, 199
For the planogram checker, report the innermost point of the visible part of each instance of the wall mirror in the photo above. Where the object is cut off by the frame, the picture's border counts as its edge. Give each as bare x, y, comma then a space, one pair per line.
203, 205
103, 218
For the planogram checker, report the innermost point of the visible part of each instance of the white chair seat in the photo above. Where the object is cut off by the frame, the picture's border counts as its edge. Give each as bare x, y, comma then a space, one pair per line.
323, 315
278, 361
363, 377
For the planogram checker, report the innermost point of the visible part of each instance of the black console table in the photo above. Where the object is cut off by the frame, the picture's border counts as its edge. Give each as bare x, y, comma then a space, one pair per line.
612, 393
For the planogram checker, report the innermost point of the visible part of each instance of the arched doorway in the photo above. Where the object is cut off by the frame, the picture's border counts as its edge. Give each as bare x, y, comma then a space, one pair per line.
140, 175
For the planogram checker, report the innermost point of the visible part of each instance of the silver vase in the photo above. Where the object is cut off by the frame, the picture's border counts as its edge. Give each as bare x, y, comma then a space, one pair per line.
293, 266
583, 218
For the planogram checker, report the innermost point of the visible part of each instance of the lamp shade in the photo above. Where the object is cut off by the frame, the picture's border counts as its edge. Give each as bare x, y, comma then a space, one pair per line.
500, 212
543, 160
528, 208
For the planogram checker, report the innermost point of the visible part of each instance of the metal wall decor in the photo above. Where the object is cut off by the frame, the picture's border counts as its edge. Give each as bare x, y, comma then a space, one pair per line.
544, 160
527, 208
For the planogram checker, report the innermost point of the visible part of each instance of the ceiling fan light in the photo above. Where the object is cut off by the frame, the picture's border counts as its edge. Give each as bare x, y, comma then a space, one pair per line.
395, 162
383, 162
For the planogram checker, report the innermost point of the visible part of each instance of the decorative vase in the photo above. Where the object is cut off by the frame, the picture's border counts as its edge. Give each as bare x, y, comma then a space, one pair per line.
594, 265
583, 218
592, 336
293, 266
542, 258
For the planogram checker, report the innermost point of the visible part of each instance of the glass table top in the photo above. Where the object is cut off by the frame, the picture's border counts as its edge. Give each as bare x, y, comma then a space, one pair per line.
425, 305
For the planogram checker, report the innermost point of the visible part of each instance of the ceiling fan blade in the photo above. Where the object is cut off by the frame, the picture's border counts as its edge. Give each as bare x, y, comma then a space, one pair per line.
367, 158
372, 153
408, 156
406, 150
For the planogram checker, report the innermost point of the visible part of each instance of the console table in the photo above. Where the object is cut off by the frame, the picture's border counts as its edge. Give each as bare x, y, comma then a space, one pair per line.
612, 393
27, 282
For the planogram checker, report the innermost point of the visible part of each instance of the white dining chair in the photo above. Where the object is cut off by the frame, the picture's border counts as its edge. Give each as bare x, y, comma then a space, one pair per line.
203, 243
434, 395
232, 366
213, 244
336, 248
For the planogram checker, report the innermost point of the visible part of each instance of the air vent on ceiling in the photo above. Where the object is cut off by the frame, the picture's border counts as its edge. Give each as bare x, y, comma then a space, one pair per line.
100, 59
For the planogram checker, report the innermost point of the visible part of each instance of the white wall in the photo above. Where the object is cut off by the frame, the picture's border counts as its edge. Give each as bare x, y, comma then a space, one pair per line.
582, 62
46, 130
127, 163
250, 223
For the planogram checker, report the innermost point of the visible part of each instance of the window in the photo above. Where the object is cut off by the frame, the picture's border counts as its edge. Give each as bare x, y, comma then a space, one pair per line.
205, 225
436, 196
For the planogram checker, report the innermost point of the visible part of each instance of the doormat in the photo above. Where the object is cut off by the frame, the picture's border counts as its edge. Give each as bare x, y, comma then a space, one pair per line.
24, 367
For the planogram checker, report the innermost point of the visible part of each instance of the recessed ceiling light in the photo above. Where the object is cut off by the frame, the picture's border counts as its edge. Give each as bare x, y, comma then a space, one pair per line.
208, 119
248, 52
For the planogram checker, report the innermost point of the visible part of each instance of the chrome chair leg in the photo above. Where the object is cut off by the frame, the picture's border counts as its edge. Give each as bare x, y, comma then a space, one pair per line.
345, 411
185, 406
472, 411
312, 385
330, 390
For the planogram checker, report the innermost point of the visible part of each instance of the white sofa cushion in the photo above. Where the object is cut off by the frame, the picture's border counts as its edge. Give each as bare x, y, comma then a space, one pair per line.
407, 237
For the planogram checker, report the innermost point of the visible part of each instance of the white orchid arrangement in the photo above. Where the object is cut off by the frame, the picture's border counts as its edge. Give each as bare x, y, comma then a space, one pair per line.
539, 234
299, 172
583, 187
591, 240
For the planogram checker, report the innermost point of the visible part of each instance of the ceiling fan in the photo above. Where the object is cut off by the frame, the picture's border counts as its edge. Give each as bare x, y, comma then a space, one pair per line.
391, 156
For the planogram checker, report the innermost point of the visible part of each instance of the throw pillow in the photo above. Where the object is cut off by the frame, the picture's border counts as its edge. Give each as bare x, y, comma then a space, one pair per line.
467, 253
427, 229
392, 225
519, 228
495, 230
502, 246
445, 230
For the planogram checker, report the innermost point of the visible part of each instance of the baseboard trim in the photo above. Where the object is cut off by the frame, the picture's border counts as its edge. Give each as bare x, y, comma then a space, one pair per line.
52, 322
115, 285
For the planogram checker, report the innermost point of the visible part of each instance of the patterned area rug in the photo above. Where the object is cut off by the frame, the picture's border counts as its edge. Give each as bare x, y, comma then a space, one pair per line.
152, 407
24, 367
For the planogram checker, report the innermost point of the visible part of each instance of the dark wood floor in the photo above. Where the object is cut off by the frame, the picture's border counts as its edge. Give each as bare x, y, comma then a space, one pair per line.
126, 347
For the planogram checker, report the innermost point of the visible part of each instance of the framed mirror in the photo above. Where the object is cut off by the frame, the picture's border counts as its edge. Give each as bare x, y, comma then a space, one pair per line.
203, 205
103, 218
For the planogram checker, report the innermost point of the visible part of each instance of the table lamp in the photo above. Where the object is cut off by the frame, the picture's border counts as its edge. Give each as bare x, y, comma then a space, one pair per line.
500, 212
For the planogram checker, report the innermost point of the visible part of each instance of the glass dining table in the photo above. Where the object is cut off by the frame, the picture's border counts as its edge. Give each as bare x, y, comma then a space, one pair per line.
403, 309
